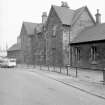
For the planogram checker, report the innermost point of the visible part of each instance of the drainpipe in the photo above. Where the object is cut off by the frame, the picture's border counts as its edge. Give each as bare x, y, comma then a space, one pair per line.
70, 52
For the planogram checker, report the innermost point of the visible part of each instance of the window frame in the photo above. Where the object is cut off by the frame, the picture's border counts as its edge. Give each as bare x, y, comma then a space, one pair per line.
77, 53
54, 30
93, 52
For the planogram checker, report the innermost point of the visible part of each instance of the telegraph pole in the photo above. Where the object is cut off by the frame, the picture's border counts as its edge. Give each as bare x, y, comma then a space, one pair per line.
6, 46
6, 49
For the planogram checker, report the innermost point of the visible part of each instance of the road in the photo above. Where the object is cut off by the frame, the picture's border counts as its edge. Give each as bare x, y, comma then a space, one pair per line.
20, 87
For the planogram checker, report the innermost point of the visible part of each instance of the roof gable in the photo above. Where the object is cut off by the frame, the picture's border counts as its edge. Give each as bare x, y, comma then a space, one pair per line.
79, 12
51, 13
14, 47
86, 8
23, 30
65, 14
68, 16
30, 27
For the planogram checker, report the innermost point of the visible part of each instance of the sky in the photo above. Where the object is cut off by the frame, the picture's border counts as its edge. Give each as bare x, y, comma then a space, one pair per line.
14, 12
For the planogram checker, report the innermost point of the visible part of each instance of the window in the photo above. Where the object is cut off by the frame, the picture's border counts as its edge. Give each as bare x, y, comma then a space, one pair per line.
54, 30
53, 49
77, 50
53, 52
54, 56
93, 53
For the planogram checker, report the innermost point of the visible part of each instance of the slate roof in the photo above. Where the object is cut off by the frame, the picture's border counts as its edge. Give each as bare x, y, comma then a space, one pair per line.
65, 14
77, 13
30, 27
68, 16
93, 33
14, 47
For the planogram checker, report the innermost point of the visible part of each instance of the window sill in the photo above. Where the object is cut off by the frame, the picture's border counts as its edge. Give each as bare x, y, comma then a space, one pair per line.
53, 36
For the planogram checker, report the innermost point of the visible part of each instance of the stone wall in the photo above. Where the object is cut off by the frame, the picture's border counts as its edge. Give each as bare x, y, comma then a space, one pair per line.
54, 43
38, 48
17, 55
85, 58
80, 24
26, 53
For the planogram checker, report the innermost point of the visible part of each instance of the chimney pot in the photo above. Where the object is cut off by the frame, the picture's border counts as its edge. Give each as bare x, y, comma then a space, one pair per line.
64, 4
98, 17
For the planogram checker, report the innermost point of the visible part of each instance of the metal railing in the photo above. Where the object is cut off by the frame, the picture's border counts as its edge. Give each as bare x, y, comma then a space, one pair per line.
82, 73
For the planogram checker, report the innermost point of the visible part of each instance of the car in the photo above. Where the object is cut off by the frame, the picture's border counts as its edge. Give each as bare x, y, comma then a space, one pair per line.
8, 62
1, 62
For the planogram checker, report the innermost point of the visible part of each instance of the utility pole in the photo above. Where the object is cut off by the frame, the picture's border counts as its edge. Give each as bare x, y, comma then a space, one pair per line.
6, 49
6, 46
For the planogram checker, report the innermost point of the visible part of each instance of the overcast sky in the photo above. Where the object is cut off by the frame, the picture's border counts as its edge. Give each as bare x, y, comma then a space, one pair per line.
14, 12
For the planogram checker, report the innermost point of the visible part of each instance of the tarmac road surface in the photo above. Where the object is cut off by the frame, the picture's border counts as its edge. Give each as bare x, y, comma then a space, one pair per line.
19, 87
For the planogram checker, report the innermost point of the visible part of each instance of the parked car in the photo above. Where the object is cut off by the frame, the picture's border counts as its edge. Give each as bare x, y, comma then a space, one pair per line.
1, 62
7, 62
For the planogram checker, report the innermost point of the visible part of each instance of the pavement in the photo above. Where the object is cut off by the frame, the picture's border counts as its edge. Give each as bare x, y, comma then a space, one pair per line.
90, 86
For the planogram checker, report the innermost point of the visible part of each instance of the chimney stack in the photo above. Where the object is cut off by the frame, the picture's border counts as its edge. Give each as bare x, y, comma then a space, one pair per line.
44, 17
98, 17
64, 4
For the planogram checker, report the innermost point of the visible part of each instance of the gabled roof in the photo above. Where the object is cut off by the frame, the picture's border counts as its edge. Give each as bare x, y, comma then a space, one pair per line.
69, 16
93, 33
65, 14
14, 47
30, 27
77, 13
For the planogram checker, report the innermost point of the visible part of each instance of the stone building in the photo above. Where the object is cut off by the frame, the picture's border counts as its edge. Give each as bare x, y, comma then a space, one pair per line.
88, 48
30, 39
30, 46
14, 52
65, 37
62, 26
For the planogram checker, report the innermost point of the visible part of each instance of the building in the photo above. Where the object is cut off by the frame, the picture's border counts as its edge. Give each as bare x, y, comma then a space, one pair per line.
88, 48
65, 37
29, 41
62, 26
30, 46
14, 52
